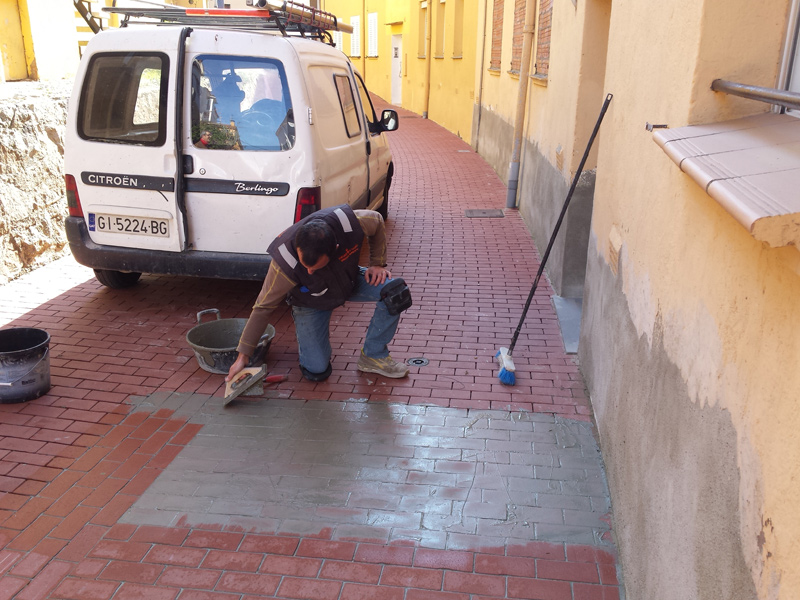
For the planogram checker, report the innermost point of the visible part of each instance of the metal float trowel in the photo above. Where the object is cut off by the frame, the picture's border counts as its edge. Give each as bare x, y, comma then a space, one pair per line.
250, 382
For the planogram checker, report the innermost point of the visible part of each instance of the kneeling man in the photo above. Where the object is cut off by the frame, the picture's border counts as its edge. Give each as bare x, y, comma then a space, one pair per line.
315, 268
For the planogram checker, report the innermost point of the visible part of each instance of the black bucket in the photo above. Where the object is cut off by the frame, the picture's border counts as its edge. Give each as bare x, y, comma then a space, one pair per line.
24, 364
215, 342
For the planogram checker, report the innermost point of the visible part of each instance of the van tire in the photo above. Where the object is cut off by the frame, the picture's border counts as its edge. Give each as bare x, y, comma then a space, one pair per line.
383, 209
116, 279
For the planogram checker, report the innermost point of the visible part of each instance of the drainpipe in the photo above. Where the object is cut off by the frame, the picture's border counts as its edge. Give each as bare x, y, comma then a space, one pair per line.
428, 58
480, 81
522, 94
364, 40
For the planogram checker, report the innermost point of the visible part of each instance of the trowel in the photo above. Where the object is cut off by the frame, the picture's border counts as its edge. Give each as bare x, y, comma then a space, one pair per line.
249, 381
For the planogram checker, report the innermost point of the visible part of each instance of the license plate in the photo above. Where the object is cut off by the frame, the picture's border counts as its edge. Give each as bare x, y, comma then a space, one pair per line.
131, 225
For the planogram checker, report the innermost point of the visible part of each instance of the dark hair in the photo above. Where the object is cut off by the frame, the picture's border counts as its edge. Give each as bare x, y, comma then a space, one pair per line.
315, 239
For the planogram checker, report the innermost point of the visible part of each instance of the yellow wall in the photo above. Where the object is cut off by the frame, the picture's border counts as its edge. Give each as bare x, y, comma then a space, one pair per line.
12, 49
38, 39
560, 110
441, 88
499, 87
452, 73
51, 40
375, 70
721, 305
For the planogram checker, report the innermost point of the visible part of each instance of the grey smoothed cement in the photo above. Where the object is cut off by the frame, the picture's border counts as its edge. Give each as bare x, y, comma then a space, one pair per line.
568, 311
440, 477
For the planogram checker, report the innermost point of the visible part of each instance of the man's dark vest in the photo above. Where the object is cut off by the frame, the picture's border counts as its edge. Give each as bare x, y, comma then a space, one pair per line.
332, 285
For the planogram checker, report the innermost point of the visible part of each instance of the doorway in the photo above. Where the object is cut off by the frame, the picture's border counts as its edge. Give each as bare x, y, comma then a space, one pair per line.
397, 70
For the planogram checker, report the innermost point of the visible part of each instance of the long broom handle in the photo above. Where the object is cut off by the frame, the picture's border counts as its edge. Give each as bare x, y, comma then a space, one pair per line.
560, 219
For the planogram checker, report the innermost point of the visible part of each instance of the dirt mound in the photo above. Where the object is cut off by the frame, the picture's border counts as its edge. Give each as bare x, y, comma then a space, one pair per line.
32, 196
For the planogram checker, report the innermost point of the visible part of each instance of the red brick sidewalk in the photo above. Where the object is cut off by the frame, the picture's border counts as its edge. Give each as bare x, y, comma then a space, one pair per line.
75, 460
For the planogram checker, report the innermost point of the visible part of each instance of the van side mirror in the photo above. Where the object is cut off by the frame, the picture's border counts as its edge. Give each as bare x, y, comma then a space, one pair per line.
390, 120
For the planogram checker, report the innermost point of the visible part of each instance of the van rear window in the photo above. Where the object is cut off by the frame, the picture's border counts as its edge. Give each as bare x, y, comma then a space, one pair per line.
124, 99
241, 103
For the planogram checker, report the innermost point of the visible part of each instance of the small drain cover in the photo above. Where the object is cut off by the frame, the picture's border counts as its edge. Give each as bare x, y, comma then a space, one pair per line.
484, 213
417, 362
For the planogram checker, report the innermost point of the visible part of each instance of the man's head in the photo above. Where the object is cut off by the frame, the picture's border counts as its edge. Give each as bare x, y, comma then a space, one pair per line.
316, 243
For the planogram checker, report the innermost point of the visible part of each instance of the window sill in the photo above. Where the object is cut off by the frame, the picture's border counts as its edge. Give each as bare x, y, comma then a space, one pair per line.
751, 166
539, 80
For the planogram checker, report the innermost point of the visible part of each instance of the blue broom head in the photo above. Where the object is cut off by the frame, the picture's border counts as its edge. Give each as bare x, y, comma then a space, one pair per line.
507, 369
507, 377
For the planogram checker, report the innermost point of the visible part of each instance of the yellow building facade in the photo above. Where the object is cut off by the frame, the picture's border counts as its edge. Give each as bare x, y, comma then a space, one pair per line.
38, 40
691, 325
420, 56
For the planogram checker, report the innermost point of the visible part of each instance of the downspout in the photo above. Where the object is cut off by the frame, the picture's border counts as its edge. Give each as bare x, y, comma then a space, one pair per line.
428, 58
364, 40
522, 94
480, 79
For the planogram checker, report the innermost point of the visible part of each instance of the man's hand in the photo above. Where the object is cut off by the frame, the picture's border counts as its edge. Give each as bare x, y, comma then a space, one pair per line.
237, 366
377, 275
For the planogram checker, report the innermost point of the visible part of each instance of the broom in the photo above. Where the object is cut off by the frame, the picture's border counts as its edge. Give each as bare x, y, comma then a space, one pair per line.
507, 374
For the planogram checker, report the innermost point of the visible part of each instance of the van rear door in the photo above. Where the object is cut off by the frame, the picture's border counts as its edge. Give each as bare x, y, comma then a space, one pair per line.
123, 155
244, 161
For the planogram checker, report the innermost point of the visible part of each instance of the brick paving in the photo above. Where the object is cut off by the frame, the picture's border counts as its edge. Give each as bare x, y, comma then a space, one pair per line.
129, 480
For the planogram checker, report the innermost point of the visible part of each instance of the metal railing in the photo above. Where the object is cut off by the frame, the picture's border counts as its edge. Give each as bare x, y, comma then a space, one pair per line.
769, 95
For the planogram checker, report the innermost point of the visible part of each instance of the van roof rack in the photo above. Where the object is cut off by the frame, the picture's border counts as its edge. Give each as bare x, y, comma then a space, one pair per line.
289, 18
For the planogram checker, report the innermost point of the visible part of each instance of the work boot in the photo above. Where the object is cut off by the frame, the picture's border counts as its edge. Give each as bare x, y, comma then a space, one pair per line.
387, 367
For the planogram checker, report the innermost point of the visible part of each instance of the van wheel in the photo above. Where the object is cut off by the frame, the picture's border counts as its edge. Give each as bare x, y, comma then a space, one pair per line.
116, 279
383, 209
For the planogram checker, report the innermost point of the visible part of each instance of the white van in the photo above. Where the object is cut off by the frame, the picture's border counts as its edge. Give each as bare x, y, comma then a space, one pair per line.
192, 143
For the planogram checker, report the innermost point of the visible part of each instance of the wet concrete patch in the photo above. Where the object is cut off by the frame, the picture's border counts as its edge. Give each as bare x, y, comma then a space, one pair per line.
438, 477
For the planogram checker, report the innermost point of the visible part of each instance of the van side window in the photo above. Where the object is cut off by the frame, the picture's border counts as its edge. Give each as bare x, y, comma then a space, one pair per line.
241, 103
369, 110
348, 103
124, 99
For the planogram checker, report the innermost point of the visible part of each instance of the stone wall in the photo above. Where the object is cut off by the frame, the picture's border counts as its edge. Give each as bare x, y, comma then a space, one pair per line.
32, 197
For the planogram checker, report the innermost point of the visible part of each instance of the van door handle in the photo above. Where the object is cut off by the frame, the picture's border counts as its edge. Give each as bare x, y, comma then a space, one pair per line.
369, 148
188, 164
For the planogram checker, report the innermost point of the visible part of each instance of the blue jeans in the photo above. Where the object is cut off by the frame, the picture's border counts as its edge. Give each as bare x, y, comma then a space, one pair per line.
312, 327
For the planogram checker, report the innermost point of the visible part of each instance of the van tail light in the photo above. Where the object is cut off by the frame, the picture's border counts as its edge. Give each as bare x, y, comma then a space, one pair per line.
73, 200
308, 201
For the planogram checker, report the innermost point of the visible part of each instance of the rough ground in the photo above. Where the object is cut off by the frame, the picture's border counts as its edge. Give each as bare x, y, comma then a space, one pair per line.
32, 197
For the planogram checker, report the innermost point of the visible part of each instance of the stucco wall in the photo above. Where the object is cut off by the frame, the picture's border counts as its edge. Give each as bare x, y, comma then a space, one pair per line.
12, 47
560, 115
453, 90
50, 38
492, 138
545, 191
690, 343
672, 463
